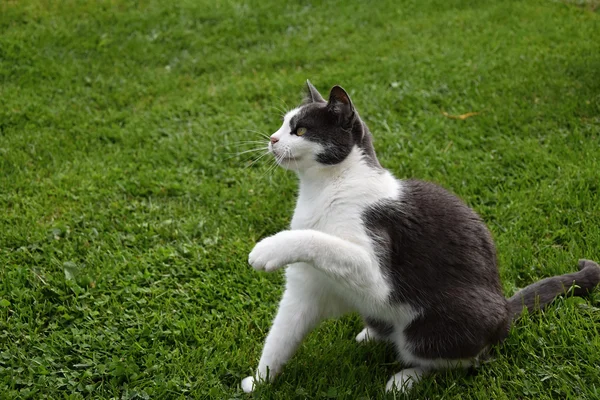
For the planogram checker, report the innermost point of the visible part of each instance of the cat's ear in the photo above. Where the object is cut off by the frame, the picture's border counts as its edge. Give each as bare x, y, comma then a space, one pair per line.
312, 94
340, 104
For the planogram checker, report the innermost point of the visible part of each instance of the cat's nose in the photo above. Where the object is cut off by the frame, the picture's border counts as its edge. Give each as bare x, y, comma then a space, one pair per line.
274, 140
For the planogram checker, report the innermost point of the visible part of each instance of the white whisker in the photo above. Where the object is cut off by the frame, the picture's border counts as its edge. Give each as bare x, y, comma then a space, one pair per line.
295, 162
262, 142
239, 153
258, 132
262, 134
255, 161
249, 151
276, 162
278, 109
285, 106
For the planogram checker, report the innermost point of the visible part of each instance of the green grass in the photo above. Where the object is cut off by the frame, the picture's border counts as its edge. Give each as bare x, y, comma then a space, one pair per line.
126, 218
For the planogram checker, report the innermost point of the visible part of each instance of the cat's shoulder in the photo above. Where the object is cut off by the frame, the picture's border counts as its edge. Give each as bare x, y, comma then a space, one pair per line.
423, 191
420, 198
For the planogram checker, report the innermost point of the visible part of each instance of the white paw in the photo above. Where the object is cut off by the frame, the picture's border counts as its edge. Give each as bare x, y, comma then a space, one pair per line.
272, 253
248, 384
365, 335
404, 380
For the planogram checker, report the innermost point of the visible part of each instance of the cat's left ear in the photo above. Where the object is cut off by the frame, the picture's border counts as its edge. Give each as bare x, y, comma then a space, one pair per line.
340, 104
312, 94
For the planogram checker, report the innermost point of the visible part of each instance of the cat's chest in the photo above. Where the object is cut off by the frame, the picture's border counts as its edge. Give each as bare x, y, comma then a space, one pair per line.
326, 216
337, 206
338, 210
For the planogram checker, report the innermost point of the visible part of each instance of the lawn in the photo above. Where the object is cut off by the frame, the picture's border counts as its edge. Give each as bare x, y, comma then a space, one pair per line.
127, 212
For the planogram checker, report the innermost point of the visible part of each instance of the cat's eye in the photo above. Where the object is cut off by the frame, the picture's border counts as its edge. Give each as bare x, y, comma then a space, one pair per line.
300, 131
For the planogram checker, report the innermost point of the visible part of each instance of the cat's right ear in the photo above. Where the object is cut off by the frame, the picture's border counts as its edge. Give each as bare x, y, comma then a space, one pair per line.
340, 104
312, 94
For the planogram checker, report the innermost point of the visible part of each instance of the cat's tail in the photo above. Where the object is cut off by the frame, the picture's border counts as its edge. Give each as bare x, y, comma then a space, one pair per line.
539, 294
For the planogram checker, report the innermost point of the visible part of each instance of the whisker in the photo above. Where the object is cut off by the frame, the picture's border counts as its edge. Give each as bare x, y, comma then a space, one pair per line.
243, 147
278, 159
278, 109
255, 161
258, 132
276, 162
285, 106
250, 142
295, 162
244, 130
269, 170
244, 152
281, 106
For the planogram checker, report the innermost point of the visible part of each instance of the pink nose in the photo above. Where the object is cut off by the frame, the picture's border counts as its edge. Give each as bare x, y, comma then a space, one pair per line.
274, 140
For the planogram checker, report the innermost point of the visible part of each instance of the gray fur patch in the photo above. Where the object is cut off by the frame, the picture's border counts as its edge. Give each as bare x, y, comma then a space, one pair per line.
440, 258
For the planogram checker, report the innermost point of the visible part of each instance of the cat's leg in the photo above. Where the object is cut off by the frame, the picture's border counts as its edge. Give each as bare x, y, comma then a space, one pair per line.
303, 305
347, 262
296, 317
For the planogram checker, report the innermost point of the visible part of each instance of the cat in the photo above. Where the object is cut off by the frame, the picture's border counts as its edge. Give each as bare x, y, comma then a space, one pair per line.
411, 258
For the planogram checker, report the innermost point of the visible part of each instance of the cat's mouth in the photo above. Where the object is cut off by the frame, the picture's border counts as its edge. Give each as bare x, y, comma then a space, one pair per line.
285, 158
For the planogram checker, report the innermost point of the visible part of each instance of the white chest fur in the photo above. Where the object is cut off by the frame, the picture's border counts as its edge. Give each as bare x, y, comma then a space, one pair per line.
333, 199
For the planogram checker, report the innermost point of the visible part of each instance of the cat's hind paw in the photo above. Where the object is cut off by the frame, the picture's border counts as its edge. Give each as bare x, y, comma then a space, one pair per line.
404, 380
366, 335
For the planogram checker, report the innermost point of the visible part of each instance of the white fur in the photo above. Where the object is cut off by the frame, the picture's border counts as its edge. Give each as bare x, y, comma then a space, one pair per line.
404, 380
332, 265
367, 335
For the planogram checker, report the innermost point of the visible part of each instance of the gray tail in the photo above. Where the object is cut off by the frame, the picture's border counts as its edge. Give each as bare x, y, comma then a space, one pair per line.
541, 293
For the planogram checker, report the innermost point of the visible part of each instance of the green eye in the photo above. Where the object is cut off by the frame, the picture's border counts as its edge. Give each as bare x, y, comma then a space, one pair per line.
300, 131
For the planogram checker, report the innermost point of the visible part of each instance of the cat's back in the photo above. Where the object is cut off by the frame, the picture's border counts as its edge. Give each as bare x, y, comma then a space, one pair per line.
435, 208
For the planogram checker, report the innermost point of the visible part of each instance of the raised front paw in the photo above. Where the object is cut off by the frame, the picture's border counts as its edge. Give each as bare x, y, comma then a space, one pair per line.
273, 252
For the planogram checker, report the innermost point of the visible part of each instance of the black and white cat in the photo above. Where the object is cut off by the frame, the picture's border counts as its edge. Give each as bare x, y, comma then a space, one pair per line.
411, 258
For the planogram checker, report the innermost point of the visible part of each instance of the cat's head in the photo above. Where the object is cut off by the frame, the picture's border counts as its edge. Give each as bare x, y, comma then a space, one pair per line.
321, 132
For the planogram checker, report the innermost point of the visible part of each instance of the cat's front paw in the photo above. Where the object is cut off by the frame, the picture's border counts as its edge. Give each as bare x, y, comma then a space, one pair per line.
273, 252
248, 384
